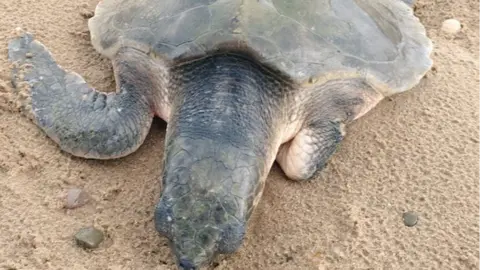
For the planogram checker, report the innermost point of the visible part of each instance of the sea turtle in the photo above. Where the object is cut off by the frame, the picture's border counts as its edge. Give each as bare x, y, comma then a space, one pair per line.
241, 84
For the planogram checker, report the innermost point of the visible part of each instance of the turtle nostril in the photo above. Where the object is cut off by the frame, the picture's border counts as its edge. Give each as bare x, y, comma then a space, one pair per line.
186, 265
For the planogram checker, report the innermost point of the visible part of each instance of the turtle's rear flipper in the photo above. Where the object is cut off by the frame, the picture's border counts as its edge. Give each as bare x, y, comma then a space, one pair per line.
83, 121
331, 107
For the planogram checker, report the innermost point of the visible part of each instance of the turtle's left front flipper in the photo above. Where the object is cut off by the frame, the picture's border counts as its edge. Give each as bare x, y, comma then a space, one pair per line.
326, 111
83, 121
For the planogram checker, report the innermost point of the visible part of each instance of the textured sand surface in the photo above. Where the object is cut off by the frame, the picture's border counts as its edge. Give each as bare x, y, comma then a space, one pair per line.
416, 152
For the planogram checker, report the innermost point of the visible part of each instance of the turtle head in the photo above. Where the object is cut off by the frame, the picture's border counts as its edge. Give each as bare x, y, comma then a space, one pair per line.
207, 196
220, 143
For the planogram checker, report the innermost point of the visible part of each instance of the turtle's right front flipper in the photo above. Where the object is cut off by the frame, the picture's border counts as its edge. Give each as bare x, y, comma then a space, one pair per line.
327, 111
83, 121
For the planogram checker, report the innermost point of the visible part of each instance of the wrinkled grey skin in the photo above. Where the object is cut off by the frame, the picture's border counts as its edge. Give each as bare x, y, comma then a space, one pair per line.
81, 120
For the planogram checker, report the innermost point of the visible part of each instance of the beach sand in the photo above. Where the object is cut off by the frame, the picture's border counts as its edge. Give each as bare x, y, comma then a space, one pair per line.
415, 152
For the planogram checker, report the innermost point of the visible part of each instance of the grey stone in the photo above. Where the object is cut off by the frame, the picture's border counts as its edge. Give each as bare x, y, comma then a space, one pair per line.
76, 198
410, 219
89, 237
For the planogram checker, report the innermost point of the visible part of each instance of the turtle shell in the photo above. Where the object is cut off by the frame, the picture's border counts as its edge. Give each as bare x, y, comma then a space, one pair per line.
309, 40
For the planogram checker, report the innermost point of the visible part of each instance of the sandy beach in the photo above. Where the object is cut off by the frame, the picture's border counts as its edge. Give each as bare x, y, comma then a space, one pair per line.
418, 151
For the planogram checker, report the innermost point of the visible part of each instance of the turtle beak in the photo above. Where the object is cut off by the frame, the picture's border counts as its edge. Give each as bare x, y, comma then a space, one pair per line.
189, 262
185, 264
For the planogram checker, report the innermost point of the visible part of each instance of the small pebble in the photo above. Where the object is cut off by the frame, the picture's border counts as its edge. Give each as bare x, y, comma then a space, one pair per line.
76, 197
29, 55
451, 26
410, 219
19, 31
89, 237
